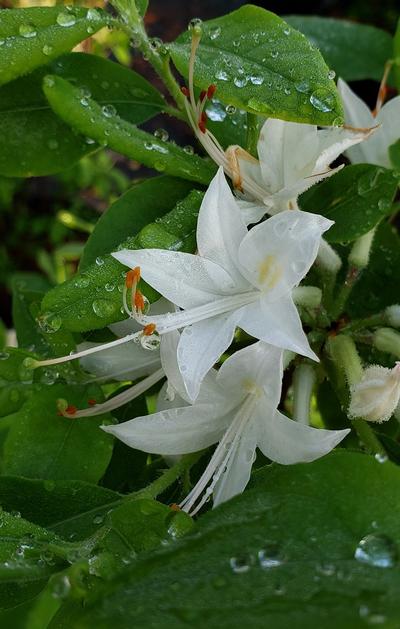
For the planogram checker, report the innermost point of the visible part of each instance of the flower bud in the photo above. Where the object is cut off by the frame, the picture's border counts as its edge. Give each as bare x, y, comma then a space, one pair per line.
392, 315
377, 395
387, 340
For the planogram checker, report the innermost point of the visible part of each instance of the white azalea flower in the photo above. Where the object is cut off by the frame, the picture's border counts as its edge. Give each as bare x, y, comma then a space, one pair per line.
387, 119
292, 156
236, 408
376, 397
239, 278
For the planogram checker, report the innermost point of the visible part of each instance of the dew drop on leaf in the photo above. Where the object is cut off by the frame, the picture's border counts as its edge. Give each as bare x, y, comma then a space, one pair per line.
65, 19
270, 556
323, 100
241, 563
377, 550
27, 30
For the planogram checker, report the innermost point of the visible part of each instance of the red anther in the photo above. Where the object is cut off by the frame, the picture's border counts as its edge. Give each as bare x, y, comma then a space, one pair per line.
211, 91
149, 329
203, 94
204, 117
185, 91
71, 409
202, 126
139, 301
92, 402
175, 507
132, 277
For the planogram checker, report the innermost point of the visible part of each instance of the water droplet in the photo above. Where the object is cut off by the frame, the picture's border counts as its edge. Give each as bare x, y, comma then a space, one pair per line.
81, 282
241, 563
84, 101
98, 519
27, 30
327, 569
108, 111
270, 556
303, 87
380, 457
371, 617
47, 50
215, 32
221, 75
49, 322
384, 204
15, 514
377, 550
230, 110
274, 54
109, 287
161, 134
49, 81
331, 75
256, 80
215, 111
240, 81
48, 376
4, 355
188, 149
286, 30
103, 308
65, 19
287, 91
150, 341
323, 100
93, 15
99, 261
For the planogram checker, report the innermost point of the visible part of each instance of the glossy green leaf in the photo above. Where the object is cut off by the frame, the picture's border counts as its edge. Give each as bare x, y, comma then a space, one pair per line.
71, 509
281, 554
15, 380
32, 37
36, 142
144, 202
42, 444
354, 51
379, 284
260, 64
106, 127
92, 299
22, 572
356, 198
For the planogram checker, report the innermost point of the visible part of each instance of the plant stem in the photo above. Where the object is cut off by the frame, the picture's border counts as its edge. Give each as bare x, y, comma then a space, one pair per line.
368, 437
168, 477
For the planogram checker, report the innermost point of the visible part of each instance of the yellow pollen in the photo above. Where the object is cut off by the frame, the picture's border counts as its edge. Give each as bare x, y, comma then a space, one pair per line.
269, 272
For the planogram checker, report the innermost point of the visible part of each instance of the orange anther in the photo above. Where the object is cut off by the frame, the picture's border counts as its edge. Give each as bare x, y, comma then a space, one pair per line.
149, 329
71, 409
203, 117
92, 402
202, 126
139, 301
132, 277
185, 91
211, 91
175, 507
203, 94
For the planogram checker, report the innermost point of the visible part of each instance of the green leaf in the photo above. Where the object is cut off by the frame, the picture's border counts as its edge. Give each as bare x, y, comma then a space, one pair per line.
92, 299
32, 37
71, 509
394, 154
36, 142
379, 284
396, 54
262, 65
15, 380
356, 198
144, 202
108, 129
22, 571
42, 444
355, 51
281, 554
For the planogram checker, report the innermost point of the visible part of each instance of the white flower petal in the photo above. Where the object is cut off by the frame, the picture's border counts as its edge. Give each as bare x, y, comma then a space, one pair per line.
169, 362
277, 323
282, 198
389, 117
172, 431
252, 211
286, 441
287, 152
220, 227
278, 253
358, 115
124, 362
185, 279
201, 345
235, 477
336, 140
256, 367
